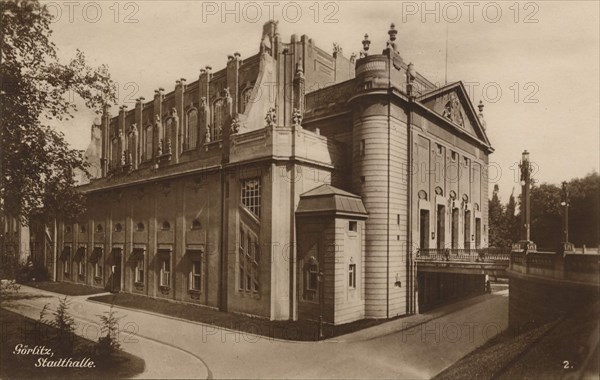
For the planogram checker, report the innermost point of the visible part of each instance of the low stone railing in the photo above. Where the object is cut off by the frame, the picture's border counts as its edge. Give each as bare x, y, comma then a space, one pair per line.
475, 255
572, 267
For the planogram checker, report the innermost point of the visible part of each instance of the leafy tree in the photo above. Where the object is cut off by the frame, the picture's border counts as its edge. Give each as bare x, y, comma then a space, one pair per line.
36, 163
497, 229
546, 216
512, 221
584, 210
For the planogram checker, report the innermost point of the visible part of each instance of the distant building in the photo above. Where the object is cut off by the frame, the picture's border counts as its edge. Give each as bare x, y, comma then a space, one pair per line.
282, 183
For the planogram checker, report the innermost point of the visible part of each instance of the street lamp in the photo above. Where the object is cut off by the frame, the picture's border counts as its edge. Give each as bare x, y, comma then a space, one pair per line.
525, 243
566, 246
320, 279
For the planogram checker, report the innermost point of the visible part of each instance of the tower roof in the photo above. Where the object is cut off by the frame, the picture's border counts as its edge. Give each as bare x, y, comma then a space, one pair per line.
329, 199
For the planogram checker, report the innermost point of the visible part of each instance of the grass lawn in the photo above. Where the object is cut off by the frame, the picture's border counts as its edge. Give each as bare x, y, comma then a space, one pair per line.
288, 330
66, 288
19, 330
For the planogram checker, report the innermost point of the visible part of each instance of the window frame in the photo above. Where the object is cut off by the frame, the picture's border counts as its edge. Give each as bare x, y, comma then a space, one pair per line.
352, 276
195, 275
164, 273
187, 143
312, 272
139, 270
251, 198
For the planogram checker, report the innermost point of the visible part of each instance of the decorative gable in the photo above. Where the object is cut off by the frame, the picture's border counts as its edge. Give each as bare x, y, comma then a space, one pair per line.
452, 104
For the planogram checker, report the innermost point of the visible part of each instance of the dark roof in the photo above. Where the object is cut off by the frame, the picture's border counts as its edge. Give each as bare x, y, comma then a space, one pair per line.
329, 199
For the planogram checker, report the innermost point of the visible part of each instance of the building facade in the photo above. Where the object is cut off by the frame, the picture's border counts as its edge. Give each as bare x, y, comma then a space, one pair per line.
287, 184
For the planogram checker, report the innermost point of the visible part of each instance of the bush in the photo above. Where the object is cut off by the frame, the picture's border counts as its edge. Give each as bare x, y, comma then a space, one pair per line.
65, 324
109, 343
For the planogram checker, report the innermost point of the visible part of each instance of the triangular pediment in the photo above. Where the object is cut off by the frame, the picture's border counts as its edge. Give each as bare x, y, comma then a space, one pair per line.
452, 104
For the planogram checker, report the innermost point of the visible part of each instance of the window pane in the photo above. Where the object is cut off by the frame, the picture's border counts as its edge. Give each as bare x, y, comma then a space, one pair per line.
192, 128
251, 197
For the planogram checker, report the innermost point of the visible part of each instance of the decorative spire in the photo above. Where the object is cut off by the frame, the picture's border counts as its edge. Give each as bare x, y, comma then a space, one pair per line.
337, 49
235, 126
480, 106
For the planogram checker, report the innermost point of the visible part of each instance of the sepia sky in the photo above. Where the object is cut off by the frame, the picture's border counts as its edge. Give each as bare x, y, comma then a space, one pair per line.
535, 65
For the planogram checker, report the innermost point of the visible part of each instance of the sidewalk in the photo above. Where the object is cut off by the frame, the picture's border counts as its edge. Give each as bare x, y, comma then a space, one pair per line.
181, 349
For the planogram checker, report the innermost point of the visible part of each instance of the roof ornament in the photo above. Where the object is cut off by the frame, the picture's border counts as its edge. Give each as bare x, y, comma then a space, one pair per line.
271, 117
296, 117
366, 44
391, 44
337, 49
235, 126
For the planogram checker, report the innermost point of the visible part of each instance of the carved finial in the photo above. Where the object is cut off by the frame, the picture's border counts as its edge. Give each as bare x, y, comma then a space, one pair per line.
160, 144
366, 44
208, 69
352, 57
202, 71
226, 92
123, 159
203, 101
169, 146
160, 89
235, 126
237, 55
480, 106
296, 117
229, 58
271, 117
133, 129
391, 44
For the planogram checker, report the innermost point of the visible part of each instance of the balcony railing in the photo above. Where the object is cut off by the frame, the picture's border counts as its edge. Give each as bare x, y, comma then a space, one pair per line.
475, 255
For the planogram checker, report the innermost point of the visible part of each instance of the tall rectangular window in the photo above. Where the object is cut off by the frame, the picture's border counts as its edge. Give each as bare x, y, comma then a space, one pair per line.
165, 272
148, 143
191, 129
352, 276
312, 277
196, 275
251, 198
248, 262
139, 270
362, 147
98, 270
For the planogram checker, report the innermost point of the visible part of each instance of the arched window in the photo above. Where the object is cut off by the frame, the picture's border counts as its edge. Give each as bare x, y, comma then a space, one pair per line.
114, 149
246, 98
217, 125
166, 226
118, 227
148, 142
139, 227
166, 137
99, 228
192, 129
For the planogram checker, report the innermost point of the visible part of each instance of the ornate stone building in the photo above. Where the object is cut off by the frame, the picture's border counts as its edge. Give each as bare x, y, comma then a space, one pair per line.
286, 182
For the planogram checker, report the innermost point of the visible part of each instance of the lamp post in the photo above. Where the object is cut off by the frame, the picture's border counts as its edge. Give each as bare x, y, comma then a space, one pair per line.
525, 243
566, 246
320, 278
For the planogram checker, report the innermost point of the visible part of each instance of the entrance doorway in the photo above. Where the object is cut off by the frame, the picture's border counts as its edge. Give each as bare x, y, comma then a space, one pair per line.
477, 232
467, 231
454, 240
424, 229
441, 227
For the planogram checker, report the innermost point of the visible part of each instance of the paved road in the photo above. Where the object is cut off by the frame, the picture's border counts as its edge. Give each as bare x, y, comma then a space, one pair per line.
415, 347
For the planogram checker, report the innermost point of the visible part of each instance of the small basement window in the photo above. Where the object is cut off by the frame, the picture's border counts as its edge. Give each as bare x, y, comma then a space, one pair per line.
353, 226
